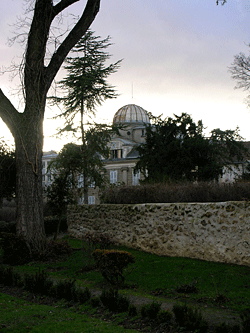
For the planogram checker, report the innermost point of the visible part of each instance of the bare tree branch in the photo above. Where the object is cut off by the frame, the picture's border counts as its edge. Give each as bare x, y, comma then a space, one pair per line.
63, 4
89, 14
8, 113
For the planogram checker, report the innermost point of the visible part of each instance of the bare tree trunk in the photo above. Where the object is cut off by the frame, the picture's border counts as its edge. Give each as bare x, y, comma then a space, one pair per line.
29, 189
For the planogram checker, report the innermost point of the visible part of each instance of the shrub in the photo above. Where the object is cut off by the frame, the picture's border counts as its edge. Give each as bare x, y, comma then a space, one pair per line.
82, 296
55, 248
14, 249
38, 283
226, 328
177, 192
150, 310
113, 301
92, 241
95, 302
164, 316
132, 310
189, 318
65, 289
111, 263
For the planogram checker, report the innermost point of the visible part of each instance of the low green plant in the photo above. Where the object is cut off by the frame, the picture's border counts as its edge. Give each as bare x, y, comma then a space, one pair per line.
111, 264
187, 288
113, 301
164, 317
189, 318
150, 310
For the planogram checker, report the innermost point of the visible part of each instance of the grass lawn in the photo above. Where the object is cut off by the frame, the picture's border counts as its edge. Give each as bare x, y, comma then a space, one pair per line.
216, 284
20, 316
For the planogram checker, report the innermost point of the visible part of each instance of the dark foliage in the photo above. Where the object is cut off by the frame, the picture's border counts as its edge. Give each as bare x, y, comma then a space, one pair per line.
92, 241
187, 288
245, 320
176, 149
111, 264
51, 224
95, 302
226, 328
113, 301
164, 316
7, 172
177, 192
8, 227
189, 318
14, 249
64, 289
151, 310
81, 296
132, 310
38, 283
58, 247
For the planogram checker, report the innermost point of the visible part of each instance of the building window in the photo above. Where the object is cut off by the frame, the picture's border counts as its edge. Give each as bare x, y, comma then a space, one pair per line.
113, 177
91, 200
136, 177
43, 180
116, 153
80, 181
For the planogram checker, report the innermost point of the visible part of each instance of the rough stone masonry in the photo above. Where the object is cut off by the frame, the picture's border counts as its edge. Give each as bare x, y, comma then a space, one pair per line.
209, 231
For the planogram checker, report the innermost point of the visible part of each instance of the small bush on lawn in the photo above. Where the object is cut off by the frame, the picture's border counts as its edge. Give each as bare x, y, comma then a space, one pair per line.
111, 264
226, 328
113, 301
92, 241
14, 249
82, 296
164, 317
189, 318
151, 310
38, 283
132, 310
65, 289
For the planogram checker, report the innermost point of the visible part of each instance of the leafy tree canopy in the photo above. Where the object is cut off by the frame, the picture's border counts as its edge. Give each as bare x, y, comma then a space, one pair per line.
176, 149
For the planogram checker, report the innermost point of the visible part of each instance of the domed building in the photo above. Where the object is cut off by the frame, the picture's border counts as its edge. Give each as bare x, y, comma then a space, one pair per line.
123, 155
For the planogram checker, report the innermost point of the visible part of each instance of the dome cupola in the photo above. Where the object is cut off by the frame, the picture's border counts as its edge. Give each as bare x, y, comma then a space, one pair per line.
131, 113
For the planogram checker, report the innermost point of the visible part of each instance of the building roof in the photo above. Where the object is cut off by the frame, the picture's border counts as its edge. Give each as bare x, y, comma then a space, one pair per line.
131, 113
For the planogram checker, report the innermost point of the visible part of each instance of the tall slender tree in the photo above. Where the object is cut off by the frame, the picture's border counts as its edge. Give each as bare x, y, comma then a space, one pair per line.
86, 88
27, 126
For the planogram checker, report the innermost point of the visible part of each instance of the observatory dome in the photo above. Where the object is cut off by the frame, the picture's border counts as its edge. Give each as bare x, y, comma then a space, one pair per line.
131, 113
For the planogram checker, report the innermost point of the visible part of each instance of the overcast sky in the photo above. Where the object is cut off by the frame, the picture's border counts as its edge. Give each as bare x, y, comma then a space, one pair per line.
176, 57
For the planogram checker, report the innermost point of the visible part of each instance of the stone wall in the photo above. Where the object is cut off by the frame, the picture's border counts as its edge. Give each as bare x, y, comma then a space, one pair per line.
209, 231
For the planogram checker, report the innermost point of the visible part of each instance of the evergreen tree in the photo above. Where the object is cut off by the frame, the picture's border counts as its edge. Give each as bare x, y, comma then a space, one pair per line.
176, 149
87, 87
